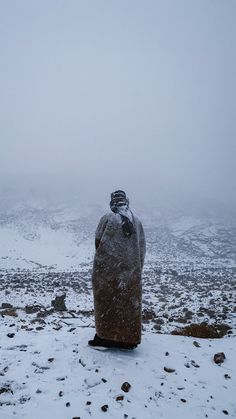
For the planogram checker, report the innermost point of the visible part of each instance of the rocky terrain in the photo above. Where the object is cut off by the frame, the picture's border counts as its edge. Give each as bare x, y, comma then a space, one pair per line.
189, 285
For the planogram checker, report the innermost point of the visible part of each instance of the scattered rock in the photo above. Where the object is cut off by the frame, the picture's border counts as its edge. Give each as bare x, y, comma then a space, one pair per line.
119, 398
38, 391
227, 376
59, 303
197, 344
60, 394
88, 403
7, 305
104, 380
183, 400
167, 354
126, 387
219, 358
31, 309
6, 389
10, 335
9, 312
194, 364
67, 404
104, 408
225, 412
50, 359
167, 369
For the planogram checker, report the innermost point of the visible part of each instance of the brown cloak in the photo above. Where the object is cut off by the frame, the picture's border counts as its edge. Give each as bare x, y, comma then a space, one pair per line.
117, 285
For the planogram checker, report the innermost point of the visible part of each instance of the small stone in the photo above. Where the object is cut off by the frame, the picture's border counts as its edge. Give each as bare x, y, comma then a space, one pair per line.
10, 335
31, 309
88, 403
104, 408
194, 364
50, 359
68, 404
126, 387
7, 305
227, 376
60, 394
197, 344
76, 417
183, 400
167, 354
38, 391
170, 370
219, 358
225, 412
119, 398
104, 380
59, 303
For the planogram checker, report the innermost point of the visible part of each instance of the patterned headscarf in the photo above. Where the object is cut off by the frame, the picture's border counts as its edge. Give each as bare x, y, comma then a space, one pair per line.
120, 205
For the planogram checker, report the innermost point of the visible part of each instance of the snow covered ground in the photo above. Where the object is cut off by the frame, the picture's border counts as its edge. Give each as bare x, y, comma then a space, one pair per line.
48, 371
46, 368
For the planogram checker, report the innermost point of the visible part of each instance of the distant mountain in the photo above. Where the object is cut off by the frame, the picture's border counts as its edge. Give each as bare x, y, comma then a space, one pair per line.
35, 235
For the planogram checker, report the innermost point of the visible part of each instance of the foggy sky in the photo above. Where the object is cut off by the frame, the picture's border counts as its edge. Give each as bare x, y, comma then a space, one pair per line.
139, 95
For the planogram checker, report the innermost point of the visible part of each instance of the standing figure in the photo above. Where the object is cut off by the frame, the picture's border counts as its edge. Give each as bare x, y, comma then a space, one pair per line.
117, 276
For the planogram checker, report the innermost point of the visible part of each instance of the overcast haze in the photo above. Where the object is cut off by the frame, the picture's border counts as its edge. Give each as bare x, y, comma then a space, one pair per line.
139, 95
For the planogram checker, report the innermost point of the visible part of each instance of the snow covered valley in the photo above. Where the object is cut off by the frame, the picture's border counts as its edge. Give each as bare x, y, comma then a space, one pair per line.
46, 367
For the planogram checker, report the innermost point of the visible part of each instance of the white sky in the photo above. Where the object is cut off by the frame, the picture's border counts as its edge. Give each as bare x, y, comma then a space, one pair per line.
139, 95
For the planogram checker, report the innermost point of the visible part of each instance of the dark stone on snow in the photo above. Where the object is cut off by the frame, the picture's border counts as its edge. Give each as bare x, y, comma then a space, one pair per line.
219, 358
126, 387
11, 335
7, 305
31, 309
5, 390
194, 364
59, 303
68, 404
104, 408
9, 312
195, 343
119, 398
166, 369
72, 329
225, 412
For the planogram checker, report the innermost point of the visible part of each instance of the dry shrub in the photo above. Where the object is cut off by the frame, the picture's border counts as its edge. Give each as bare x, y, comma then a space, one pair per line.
203, 330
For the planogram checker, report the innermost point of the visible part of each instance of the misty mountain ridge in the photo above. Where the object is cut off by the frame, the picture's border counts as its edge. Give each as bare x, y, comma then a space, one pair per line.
36, 235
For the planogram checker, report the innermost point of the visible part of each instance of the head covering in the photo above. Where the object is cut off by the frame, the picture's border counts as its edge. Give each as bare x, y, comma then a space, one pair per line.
120, 205
118, 199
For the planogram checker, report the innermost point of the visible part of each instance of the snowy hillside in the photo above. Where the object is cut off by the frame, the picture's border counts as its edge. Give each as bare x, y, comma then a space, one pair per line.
33, 236
46, 368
